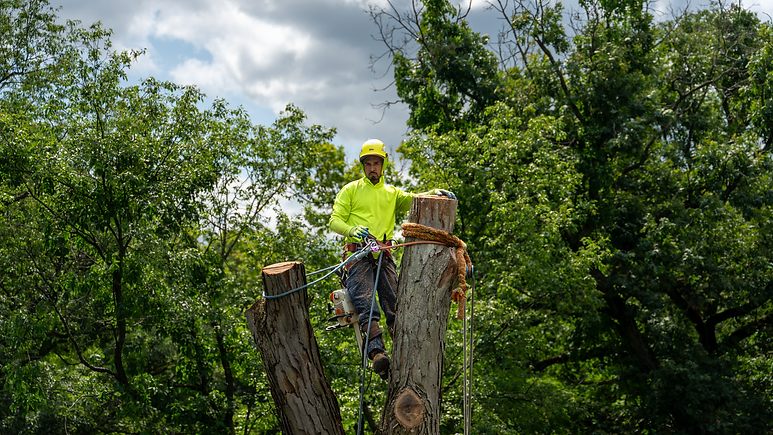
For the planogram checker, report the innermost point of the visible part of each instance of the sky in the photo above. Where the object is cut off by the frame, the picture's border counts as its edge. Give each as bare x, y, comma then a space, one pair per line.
265, 54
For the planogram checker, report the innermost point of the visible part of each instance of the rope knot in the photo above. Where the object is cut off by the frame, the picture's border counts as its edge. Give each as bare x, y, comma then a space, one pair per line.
459, 294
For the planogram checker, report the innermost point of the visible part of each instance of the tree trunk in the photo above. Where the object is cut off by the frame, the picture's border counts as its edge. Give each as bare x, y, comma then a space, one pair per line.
427, 276
304, 401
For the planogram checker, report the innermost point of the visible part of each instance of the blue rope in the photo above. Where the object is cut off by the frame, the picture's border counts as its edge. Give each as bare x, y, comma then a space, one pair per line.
322, 270
357, 255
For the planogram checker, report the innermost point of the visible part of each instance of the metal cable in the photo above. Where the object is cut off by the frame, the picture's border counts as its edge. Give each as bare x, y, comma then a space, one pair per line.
465, 386
468, 411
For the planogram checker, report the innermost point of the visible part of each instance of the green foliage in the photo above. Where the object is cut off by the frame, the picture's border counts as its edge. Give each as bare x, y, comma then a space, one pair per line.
134, 226
30, 38
453, 75
614, 195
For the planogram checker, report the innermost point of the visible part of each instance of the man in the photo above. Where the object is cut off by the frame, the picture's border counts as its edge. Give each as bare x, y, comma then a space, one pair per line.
363, 208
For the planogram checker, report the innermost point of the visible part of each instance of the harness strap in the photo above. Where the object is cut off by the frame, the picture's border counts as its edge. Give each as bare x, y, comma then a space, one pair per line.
354, 247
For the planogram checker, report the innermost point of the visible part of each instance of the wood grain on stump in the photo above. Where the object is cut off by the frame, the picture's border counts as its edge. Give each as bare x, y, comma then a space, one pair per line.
304, 401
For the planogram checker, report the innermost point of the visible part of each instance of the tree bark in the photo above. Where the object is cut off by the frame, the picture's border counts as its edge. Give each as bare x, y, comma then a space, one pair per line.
304, 401
427, 277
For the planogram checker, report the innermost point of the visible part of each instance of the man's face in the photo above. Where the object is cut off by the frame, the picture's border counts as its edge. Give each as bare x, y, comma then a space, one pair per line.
373, 165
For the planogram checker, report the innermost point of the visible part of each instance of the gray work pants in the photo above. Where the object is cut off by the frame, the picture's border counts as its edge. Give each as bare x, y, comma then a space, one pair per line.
360, 283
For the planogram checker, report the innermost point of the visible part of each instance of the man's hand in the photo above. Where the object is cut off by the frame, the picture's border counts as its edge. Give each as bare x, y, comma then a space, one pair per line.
439, 192
359, 231
447, 193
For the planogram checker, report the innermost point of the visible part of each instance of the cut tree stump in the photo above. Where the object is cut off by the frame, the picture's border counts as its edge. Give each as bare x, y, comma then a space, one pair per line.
304, 401
427, 277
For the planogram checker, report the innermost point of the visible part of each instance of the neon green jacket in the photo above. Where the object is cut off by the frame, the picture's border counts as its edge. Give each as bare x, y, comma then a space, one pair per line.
374, 206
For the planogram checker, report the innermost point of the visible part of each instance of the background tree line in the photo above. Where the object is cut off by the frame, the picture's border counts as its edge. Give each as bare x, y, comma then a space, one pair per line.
614, 179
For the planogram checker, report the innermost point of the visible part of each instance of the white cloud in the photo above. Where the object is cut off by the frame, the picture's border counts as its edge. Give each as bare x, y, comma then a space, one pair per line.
273, 62
264, 54
247, 53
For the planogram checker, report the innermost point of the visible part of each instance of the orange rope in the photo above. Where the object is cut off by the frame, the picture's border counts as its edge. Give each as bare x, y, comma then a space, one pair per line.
410, 243
432, 235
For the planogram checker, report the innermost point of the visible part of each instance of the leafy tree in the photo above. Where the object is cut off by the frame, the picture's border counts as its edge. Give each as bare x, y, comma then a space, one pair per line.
614, 195
134, 227
30, 38
453, 76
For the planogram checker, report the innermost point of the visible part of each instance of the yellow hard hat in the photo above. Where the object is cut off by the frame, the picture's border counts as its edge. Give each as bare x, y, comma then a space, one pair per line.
373, 147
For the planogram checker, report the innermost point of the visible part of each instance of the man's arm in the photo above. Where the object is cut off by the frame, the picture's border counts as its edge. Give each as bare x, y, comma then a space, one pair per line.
404, 198
341, 211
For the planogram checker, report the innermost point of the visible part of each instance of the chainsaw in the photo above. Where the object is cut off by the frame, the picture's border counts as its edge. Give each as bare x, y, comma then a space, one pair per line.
345, 314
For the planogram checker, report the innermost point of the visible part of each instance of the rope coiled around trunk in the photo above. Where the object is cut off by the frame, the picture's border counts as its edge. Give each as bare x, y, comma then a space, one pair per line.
459, 294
